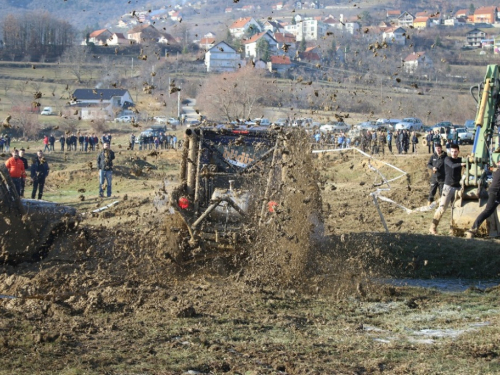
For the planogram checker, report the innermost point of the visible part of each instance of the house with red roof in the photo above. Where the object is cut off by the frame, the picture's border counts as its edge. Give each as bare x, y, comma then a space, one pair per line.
239, 27
99, 37
421, 22
393, 14
251, 50
485, 15
311, 54
286, 43
206, 43
416, 60
279, 64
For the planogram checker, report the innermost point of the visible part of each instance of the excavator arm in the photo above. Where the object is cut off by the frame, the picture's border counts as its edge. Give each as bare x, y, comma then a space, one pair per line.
475, 180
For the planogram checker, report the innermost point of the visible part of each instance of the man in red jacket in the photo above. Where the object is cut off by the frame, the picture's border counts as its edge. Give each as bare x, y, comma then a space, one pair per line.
16, 170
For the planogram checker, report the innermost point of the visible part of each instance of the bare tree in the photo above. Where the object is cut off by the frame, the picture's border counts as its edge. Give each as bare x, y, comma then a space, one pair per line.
76, 59
235, 95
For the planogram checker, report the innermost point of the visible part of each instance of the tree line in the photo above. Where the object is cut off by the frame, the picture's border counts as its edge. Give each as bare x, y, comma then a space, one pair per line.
35, 36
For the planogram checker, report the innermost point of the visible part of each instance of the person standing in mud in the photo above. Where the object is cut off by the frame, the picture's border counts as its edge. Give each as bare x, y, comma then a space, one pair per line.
39, 172
414, 142
491, 206
23, 179
15, 166
105, 165
453, 174
429, 138
436, 165
62, 141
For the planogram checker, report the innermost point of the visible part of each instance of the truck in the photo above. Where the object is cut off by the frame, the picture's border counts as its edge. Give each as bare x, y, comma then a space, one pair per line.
485, 155
28, 226
236, 183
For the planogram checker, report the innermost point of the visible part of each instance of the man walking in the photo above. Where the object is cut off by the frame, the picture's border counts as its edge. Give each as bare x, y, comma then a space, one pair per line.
453, 174
105, 165
436, 165
16, 170
39, 172
491, 206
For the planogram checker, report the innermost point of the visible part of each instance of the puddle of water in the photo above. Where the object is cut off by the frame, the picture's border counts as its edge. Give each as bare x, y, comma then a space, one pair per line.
7, 297
445, 285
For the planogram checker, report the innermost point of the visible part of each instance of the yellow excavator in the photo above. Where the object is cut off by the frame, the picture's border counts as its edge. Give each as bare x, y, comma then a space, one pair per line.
485, 155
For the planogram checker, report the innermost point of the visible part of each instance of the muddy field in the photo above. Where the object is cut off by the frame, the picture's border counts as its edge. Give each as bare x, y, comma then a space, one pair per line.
106, 301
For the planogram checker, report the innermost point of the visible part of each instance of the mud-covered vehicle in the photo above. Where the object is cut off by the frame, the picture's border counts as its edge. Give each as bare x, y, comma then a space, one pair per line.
237, 182
28, 225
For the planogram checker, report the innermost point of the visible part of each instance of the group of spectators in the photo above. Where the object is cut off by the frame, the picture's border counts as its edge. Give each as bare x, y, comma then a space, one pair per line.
18, 167
434, 137
74, 142
161, 141
374, 142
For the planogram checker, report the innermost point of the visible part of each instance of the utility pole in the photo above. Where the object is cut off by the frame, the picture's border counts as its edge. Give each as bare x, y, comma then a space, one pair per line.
132, 69
179, 103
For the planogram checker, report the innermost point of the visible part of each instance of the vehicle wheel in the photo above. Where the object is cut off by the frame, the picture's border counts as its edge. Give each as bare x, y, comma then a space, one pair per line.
174, 243
424, 142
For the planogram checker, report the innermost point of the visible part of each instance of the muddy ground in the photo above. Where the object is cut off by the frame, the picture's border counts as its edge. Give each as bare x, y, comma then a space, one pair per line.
105, 301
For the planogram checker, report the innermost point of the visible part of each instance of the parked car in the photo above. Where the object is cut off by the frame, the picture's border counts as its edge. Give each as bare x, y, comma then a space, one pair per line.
387, 124
336, 127
192, 122
367, 125
126, 118
410, 123
160, 119
470, 125
47, 111
258, 121
464, 136
173, 121
281, 122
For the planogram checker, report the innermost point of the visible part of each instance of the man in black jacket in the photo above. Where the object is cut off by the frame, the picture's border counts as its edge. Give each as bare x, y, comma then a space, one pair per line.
491, 206
436, 165
453, 174
39, 172
105, 165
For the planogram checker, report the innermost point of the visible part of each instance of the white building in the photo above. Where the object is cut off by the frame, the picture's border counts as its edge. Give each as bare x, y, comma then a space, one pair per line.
394, 35
251, 44
307, 29
222, 58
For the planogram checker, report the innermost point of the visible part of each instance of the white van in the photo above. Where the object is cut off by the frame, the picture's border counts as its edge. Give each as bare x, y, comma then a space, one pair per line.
47, 111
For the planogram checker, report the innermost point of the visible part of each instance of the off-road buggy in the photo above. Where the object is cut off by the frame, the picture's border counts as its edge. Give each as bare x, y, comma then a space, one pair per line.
237, 182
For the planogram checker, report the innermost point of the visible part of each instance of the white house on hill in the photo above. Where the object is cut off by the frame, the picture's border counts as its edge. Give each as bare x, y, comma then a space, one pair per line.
222, 58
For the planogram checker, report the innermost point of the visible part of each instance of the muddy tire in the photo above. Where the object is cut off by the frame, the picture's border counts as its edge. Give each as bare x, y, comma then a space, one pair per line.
174, 245
424, 142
